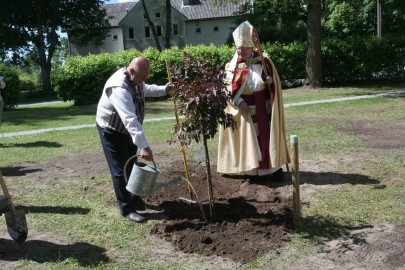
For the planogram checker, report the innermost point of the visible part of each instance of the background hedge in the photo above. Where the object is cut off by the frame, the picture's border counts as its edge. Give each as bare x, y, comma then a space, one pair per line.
356, 60
11, 94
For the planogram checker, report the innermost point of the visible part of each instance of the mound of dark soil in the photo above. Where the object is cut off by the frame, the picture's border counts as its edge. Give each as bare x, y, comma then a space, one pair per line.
249, 219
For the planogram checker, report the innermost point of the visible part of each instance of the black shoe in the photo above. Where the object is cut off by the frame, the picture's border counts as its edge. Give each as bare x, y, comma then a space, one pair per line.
135, 217
278, 175
251, 179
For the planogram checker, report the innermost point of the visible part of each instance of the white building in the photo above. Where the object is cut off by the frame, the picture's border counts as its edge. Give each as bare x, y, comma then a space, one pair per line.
194, 22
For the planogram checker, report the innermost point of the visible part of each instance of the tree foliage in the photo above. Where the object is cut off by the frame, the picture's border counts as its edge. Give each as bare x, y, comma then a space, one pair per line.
276, 20
28, 24
286, 20
349, 18
202, 98
293, 20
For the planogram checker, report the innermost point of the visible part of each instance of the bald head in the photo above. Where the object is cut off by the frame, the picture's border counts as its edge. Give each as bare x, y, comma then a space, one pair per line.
139, 69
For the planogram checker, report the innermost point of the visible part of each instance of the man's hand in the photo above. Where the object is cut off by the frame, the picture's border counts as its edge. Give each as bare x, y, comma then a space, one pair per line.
269, 80
171, 88
146, 154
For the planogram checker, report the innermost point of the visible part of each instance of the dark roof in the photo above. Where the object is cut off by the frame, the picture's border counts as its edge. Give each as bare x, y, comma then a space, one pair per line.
116, 12
204, 9
195, 10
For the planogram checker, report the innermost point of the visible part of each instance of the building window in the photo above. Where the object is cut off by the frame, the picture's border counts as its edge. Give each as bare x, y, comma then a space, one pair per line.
198, 29
131, 33
216, 28
157, 15
115, 37
158, 30
175, 29
191, 2
147, 31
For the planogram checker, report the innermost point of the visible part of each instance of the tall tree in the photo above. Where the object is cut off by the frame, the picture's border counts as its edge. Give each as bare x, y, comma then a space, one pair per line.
34, 24
151, 25
168, 9
168, 24
284, 20
313, 75
348, 18
276, 20
280, 14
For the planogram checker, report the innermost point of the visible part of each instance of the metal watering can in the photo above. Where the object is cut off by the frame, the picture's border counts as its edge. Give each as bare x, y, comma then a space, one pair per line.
143, 178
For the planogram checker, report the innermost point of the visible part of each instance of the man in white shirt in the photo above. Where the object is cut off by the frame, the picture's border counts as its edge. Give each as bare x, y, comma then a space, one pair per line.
120, 114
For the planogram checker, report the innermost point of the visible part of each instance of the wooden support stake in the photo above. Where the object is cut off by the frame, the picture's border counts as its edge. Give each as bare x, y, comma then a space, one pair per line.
188, 201
296, 182
183, 151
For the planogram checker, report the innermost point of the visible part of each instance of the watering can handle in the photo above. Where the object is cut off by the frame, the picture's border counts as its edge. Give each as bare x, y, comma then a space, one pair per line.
126, 164
154, 164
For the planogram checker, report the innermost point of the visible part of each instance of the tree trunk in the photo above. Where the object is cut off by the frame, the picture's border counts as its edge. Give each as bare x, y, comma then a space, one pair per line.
46, 78
152, 27
313, 61
168, 24
45, 58
209, 182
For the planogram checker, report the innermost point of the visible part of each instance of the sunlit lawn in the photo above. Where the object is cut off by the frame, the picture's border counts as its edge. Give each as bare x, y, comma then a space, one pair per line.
94, 220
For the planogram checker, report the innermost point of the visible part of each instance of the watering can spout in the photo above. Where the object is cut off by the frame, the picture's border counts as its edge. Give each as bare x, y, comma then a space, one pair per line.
167, 182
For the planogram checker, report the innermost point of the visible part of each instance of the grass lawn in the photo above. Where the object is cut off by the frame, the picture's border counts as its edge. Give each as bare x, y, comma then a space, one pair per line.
332, 132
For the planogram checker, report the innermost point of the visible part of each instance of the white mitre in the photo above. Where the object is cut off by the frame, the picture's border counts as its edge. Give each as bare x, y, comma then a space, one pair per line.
242, 35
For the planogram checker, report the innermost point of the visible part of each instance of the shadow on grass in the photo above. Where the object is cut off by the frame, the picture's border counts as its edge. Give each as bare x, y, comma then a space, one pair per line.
319, 178
41, 251
41, 114
17, 171
57, 210
332, 178
32, 144
326, 227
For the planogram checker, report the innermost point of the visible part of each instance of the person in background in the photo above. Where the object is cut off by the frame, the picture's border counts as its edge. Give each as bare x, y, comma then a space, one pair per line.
120, 114
257, 148
2, 86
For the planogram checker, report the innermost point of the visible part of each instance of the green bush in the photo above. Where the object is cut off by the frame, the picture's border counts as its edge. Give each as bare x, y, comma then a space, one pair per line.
82, 79
157, 67
173, 56
363, 60
289, 60
30, 86
219, 55
343, 61
11, 94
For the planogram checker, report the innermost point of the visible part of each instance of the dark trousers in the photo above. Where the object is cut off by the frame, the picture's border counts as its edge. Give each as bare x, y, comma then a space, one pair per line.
118, 148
